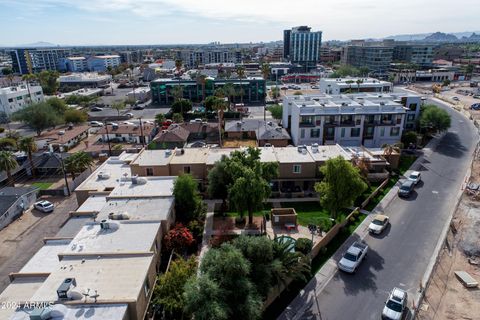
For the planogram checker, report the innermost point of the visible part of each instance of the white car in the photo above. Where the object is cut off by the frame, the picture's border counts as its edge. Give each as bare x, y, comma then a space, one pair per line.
395, 305
96, 124
415, 176
44, 206
129, 114
129, 123
353, 257
378, 224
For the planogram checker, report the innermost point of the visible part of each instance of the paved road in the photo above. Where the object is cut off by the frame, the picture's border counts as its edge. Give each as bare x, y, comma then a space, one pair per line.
400, 256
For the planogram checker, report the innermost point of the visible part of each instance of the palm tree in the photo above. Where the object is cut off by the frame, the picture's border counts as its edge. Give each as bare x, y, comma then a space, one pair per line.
29, 78
178, 65
159, 119
28, 145
78, 162
287, 264
359, 82
265, 71
202, 79
349, 82
241, 75
177, 93
220, 106
7, 164
229, 91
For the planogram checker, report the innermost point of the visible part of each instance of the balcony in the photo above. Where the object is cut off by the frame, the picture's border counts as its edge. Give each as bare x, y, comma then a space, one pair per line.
347, 123
307, 124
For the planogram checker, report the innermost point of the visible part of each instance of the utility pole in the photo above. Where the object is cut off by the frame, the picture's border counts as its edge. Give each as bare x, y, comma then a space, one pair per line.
60, 158
142, 138
108, 138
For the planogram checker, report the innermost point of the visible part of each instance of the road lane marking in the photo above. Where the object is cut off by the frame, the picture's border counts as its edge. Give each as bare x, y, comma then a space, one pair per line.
434, 191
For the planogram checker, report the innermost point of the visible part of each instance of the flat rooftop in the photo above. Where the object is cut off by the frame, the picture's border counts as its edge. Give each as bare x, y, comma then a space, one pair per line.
46, 259
127, 236
268, 154
153, 158
154, 209
154, 187
82, 312
93, 203
73, 226
115, 167
190, 156
324, 152
291, 155
19, 290
216, 154
116, 278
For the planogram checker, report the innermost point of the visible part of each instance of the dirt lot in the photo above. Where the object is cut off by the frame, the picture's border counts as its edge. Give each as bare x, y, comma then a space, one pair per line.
446, 298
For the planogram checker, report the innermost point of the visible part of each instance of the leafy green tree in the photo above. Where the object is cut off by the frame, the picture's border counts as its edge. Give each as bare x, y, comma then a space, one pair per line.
75, 116
409, 137
435, 119
297, 93
177, 118
230, 270
346, 71
265, 69
58, 105
205, 300
7, 144
177, 93
187, 198
78, 162
342, 183
229, 91
6, 71
170, 288
210, 102
363, 71
39, 116
179, 238
159, 118
29, 146
182, 106
304, 245
119, 106
287, 264
7, 164
276, 110
48, 81
218, 179
275, 92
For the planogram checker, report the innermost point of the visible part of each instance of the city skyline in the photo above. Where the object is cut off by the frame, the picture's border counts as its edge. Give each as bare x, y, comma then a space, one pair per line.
121, 22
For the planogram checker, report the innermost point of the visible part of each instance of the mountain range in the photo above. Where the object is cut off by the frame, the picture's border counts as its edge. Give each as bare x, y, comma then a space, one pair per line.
437, 36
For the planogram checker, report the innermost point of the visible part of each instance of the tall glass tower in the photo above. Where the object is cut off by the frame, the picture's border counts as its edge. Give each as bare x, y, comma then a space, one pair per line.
302, 46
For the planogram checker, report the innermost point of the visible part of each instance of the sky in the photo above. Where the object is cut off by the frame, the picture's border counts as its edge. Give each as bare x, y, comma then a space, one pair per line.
116, 22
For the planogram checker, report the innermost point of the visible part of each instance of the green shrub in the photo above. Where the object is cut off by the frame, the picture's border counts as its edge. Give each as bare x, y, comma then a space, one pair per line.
303, 245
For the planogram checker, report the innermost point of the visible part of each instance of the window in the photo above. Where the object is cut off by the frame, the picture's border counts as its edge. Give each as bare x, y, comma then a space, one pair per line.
186, 169
369, 131
395, 131
342, 133
382, 131
355, 132
118, 135
10, 100
302, 134
149, 171
410, 117
297, 168
146, 287
413, 106
19, 98
314, 133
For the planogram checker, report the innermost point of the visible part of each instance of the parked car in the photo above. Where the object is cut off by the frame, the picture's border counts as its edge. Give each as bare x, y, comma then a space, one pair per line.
129, 114
112, 124
44, 206
96, 109
455, 98
406, 189
415, 176
128, 123
353, 257
475, 106
395, 305
138, 107
96, 124
476, 96
378, 224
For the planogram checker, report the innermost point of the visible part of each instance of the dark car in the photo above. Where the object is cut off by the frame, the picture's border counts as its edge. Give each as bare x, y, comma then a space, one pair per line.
96, 109
406, 189
138, 107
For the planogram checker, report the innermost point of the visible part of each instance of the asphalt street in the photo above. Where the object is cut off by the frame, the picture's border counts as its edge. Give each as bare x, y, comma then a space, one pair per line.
399, 257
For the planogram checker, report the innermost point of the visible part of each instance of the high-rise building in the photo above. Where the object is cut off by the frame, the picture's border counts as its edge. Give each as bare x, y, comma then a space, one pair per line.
193, 58
33, 60
375, 56
302, 46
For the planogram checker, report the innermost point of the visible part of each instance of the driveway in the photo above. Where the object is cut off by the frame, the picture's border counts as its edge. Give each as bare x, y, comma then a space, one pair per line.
399, 258
20, 240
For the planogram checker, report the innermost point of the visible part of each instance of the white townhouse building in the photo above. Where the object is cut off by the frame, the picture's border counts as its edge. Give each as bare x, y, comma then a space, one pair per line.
15, 98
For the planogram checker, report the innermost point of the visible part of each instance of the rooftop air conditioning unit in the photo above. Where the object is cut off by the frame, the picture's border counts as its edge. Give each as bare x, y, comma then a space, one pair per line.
270, 123
103, 175
178, 152
141, 180
61, 132
65, 286
239, 123
135, 179
168, 152
279, 129
104, 225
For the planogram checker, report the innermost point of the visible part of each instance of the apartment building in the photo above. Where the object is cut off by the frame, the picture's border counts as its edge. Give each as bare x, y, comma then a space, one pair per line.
103, 262
253, 89
62, 139
196, 57
73, 64
25, 61
128, 133
17, 97
302, 46
371, 120
103, 63
417, 54
353, 85
373, 55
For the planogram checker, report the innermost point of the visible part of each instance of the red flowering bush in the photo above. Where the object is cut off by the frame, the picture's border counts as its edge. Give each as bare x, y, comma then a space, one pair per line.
178, 238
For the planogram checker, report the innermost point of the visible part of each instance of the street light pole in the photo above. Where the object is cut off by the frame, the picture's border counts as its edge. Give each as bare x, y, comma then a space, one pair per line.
142, 138
108, 138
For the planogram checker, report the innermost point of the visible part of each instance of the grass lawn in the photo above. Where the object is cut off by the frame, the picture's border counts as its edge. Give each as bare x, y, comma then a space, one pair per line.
42, 185
406, 162
311, 212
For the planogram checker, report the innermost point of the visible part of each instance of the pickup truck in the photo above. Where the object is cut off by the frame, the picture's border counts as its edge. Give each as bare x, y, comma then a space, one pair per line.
353, 257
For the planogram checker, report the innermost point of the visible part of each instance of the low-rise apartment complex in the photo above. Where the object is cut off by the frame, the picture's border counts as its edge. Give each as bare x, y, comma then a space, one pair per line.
371, 120
353, 85
15, 98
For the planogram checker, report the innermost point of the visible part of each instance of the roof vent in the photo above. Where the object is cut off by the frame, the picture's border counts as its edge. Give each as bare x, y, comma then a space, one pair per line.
168, 152
65, 286
118, 216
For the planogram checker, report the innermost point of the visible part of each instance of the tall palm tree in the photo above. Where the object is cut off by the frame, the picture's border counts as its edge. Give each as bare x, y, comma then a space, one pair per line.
265, 71
28, 145
202, 79
177, 93
28, 78
7, 164
178, 65
78, 162
241, 75
219, 105
229, 91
